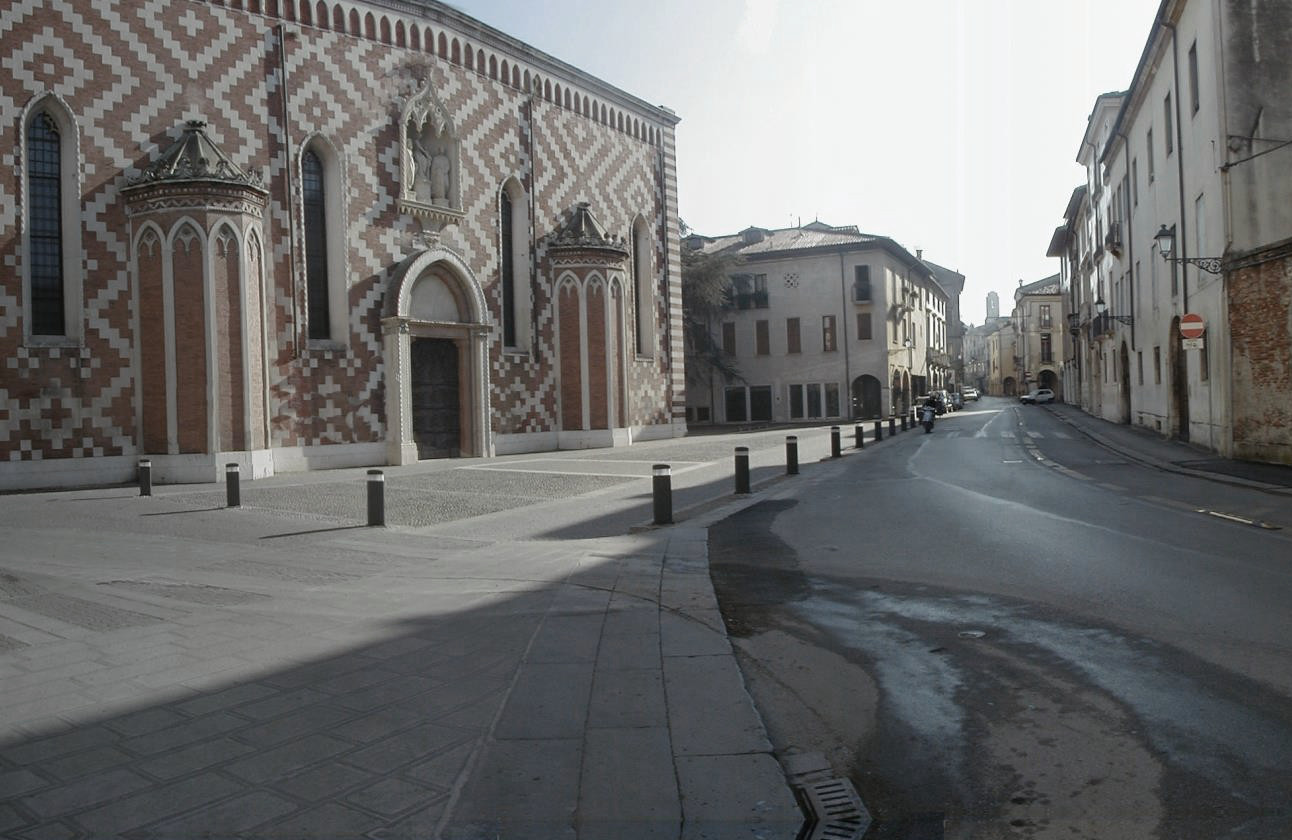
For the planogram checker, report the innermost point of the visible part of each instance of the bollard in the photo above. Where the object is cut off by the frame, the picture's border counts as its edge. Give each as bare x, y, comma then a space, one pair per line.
879, 430
914, 418
232, 490
663, 491
892, 426
742, 470
836, 446
858, 435
145, 477
792, 455
376, 498
904, 427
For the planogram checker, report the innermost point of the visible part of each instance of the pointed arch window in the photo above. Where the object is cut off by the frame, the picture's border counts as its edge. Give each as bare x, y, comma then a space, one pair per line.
514, 262
644, 289
508, 272
314, 196
327, 317
51, 264
45, 223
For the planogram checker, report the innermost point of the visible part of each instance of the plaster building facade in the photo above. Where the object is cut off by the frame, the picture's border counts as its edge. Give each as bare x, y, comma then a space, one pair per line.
1003, 375
1196, 156
1039, 330
295, 234
824, 323
953, 283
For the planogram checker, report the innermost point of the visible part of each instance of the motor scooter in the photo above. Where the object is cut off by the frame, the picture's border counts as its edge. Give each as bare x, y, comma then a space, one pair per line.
927, 413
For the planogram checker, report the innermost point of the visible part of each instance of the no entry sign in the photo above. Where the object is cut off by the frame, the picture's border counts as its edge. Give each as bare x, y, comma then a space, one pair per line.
1192, 326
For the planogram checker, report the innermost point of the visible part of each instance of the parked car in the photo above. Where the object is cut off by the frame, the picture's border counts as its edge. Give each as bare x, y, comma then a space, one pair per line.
957, 401
1044, 395
969, 393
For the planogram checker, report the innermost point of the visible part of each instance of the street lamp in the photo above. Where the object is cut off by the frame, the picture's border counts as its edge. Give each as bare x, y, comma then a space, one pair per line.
1165, 239
1102, 309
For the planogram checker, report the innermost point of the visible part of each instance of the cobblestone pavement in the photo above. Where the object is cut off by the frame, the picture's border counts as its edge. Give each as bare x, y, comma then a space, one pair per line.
172, 668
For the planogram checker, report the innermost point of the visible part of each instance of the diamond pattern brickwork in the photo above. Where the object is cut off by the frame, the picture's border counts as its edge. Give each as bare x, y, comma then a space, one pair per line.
132, 72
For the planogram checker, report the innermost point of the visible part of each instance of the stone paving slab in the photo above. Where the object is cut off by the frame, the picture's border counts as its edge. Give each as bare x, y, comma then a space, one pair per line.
190, 669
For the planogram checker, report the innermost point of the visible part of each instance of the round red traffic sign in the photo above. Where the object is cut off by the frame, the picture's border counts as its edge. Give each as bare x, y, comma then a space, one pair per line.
1192, 326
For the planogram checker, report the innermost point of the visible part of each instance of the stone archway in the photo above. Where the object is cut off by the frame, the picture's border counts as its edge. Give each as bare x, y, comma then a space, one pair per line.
437, 377
867, 398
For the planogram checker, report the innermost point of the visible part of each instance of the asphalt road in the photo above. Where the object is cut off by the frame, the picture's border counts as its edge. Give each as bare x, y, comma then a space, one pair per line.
1003, 630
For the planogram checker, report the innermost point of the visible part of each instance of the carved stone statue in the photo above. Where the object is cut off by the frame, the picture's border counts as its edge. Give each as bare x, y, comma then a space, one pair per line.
440, 179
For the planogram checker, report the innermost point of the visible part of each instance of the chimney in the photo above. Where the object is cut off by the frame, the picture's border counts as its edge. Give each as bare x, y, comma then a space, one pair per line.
919, 254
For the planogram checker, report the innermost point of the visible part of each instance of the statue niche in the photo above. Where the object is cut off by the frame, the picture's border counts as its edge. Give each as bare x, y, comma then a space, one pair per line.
430, 161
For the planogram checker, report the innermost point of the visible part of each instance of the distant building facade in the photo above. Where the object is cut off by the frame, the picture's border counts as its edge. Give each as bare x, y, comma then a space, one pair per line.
824, 323
313, 234
1039, 331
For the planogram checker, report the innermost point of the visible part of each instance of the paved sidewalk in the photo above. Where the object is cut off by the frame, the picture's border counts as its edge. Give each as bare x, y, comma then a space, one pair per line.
1151, 448
522, 667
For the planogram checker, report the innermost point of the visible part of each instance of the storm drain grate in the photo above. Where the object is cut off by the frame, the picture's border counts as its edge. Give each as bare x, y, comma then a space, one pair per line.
835, 811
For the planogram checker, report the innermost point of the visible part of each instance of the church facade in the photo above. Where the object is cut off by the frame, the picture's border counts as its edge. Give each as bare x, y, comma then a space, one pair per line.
299, 234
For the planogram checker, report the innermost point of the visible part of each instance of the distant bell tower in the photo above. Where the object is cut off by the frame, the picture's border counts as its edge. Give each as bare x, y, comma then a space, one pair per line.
993, 305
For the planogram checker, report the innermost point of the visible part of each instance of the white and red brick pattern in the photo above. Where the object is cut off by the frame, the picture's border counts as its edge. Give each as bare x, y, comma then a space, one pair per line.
132, 72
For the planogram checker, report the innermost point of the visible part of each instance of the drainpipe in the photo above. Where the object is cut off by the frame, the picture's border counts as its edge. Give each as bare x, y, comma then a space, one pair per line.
1179, 163
847, 367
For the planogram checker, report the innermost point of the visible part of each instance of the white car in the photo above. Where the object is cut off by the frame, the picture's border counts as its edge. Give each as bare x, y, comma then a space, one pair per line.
1044, 395
969, 394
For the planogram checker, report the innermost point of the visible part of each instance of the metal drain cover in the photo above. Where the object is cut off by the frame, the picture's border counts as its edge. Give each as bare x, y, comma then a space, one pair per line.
835, 811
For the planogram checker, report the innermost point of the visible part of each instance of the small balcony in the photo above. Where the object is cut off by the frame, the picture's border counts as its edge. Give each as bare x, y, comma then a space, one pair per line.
1113, 238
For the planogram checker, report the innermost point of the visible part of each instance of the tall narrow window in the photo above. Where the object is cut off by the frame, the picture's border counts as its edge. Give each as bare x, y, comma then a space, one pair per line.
762, 338
515, 268
861, 284
508, 272
1047, 348
863, 326
729, 338
1170, 123
1148, 146
793, 339
1193, 76
827, 333
45, 214
644, 287
316, 251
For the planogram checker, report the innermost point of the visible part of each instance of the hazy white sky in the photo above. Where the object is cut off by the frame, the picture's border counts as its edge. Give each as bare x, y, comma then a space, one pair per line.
948, 125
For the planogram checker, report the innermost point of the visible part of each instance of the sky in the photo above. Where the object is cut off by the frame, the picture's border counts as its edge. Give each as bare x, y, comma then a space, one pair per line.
951, 126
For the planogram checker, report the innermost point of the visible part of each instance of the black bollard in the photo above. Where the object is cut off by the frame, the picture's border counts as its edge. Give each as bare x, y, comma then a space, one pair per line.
376, 498
892, 426
903, 422
792, 455
858, 435
742, 470
879, 430
145, 477
233, 491
836, 446
663, 492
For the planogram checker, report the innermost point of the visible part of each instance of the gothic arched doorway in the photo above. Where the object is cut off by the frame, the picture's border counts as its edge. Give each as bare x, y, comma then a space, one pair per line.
867, 398
437, 402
